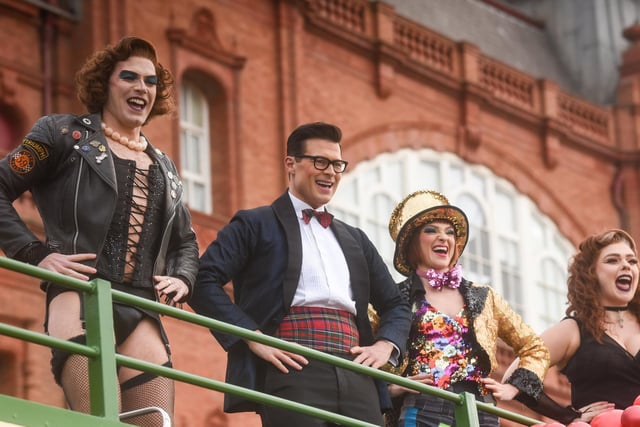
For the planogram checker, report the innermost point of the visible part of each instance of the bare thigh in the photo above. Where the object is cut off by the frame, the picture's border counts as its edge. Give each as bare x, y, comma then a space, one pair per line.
144, 343
64, 316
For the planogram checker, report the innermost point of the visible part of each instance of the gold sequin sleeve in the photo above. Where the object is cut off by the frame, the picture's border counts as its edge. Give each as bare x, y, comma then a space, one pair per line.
498, 319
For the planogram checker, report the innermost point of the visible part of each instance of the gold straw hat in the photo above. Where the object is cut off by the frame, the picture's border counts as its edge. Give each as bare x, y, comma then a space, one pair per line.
416, 210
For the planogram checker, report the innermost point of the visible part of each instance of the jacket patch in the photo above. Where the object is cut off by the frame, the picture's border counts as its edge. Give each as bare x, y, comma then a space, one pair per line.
39, 149
22, 161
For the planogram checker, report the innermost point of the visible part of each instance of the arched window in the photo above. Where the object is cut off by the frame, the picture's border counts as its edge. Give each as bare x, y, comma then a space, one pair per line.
194, 147
512, 246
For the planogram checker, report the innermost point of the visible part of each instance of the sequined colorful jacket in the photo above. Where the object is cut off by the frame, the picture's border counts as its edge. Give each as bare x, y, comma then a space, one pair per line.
490, 318
67, 165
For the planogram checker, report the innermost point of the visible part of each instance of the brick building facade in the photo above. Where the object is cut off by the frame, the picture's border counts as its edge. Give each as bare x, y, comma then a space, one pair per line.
261, 67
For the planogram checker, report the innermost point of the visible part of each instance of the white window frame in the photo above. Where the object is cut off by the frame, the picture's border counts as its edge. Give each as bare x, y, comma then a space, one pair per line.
191, 95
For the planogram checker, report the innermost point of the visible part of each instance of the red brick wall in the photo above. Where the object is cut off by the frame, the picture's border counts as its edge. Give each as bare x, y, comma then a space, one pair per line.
276, 64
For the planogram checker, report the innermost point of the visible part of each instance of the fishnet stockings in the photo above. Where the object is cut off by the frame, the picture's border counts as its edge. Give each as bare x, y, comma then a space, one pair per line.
75, 383
158, 391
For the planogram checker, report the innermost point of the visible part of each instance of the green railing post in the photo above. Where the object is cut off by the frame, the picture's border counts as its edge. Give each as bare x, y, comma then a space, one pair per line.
103, 381
467, 411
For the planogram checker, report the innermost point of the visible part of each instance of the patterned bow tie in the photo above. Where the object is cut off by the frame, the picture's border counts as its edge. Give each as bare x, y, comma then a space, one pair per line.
324, 217
451, 278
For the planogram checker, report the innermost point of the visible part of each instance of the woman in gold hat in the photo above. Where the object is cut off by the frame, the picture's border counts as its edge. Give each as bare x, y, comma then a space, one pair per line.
455, 323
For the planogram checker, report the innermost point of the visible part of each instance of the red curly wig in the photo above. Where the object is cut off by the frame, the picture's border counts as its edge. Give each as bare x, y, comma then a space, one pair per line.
92, 80
583, 289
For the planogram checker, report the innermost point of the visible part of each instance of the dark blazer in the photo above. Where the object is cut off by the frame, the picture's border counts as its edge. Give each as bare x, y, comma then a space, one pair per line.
261, 251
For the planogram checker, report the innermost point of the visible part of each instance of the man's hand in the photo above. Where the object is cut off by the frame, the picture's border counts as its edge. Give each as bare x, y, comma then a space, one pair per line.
69, 265
279, 358
374, 355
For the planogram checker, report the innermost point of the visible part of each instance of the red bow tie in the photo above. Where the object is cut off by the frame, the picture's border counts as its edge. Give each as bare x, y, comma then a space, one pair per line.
324, 217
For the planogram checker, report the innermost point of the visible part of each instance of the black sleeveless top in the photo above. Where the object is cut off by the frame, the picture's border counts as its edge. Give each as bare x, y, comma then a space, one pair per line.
604, 371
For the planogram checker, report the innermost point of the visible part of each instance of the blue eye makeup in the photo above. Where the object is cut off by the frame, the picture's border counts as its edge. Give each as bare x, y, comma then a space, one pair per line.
131, 76
430, 229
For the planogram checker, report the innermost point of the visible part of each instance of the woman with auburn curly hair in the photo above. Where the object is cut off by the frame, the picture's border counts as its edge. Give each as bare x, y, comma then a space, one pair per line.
597, 346
112, 209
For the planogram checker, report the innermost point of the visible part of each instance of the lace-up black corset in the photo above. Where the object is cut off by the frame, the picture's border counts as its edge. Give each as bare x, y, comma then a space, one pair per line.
133, 239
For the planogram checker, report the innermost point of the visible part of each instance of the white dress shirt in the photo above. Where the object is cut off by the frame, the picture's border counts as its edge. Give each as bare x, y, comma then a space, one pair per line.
324, 278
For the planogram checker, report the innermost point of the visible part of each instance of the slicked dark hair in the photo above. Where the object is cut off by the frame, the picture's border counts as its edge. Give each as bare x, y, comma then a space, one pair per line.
297, 141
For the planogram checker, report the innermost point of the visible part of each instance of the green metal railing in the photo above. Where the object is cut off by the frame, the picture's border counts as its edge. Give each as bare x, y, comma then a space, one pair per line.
103, 359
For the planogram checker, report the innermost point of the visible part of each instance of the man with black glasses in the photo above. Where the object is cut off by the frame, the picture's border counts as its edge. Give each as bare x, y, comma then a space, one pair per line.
301, 275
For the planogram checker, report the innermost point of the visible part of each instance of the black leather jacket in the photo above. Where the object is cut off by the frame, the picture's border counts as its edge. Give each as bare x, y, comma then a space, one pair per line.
66, 163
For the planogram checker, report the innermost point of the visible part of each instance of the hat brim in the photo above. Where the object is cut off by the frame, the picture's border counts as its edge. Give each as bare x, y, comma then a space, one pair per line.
449, 213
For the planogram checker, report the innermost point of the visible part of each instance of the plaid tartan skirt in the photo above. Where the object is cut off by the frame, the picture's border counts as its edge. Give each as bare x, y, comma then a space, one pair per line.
323, 329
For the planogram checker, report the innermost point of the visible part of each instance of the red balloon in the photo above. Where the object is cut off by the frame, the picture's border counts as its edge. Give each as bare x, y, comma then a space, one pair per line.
637, 401
578, 424
554, 425
608, 419
631, 417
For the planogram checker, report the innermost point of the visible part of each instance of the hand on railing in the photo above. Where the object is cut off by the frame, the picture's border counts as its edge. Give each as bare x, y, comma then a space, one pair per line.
397, 390
500, 391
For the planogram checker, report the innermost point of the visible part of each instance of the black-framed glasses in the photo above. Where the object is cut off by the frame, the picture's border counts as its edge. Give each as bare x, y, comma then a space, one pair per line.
322, 163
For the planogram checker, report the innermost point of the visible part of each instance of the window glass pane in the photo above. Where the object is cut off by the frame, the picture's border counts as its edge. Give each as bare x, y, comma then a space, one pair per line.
505, 212
536, 231
372, 176
198, 196
194, 147
478, 183
429, 175
394, 169
472, 208
199, 111
552, 287
456, 173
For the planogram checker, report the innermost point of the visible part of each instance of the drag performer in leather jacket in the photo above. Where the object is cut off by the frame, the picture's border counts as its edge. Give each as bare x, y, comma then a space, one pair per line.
112, 208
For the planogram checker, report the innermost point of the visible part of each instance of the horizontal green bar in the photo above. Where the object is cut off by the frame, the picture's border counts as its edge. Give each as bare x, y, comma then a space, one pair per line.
47, 275
239, 391
46, 340
314, 354
232, 330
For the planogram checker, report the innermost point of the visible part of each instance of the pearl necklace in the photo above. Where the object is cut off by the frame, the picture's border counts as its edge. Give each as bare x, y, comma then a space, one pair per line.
139, 145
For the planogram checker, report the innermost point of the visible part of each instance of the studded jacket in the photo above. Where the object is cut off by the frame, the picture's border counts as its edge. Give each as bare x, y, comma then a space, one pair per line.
67, 165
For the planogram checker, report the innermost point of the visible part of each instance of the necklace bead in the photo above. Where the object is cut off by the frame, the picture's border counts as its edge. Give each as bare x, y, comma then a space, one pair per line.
134, 145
